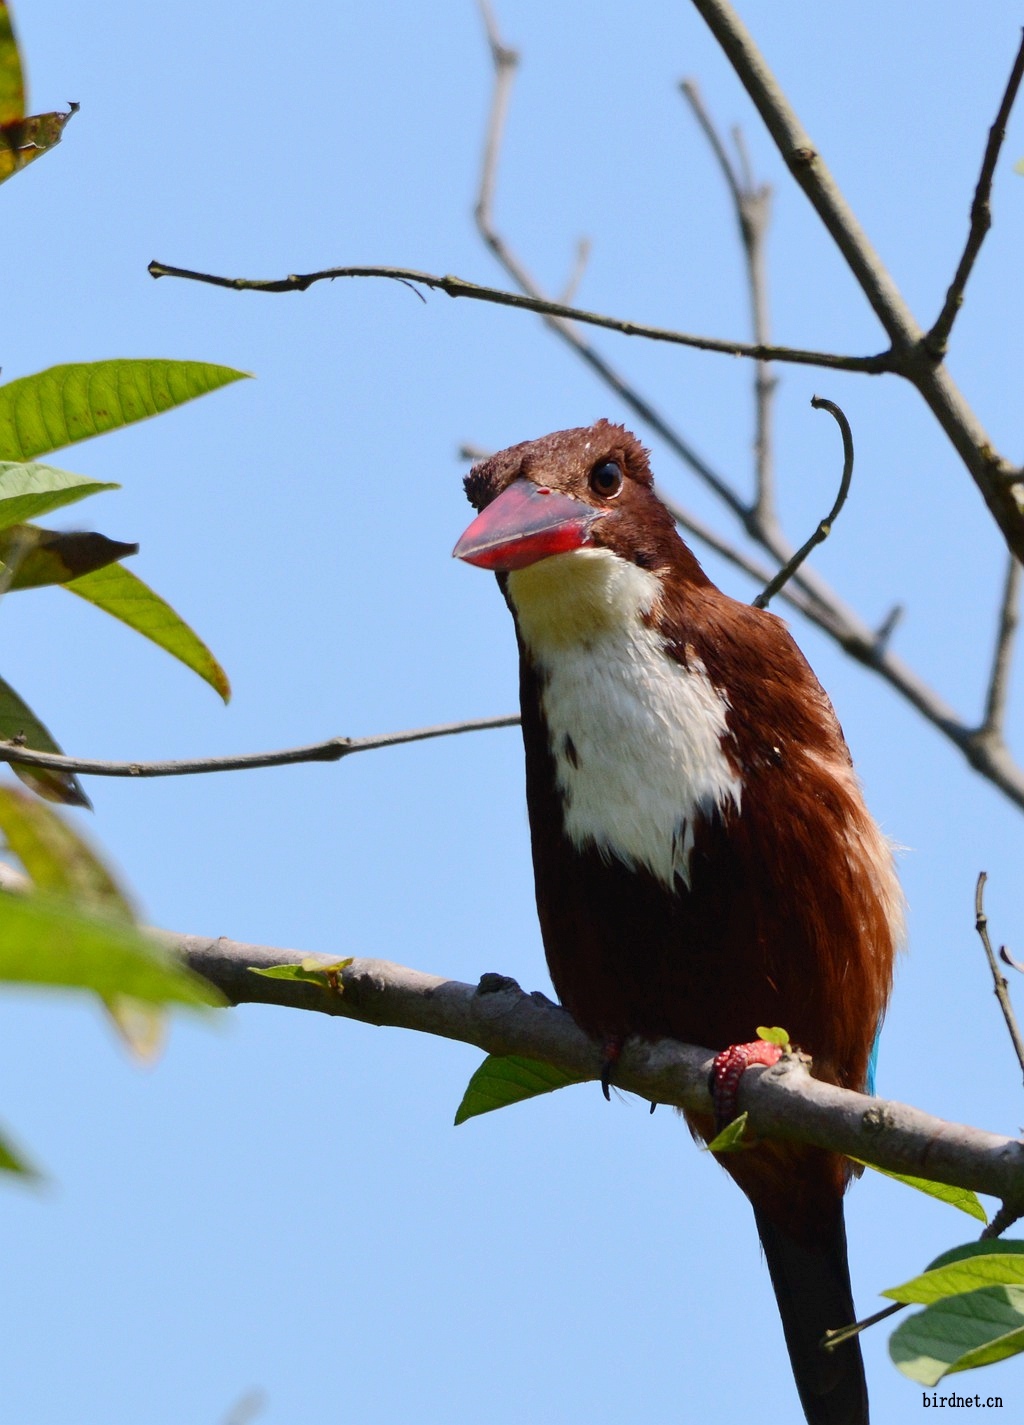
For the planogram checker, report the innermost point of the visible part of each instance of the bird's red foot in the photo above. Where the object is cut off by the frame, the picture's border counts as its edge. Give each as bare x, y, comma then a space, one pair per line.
729, 1067
610, 1055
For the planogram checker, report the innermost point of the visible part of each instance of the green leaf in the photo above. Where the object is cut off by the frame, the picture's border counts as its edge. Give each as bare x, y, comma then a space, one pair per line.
60, 861
45, 941
30, 490
12, 81
994, 1266
976, 1249
959, 1333
22, 141
311, 969
50, 556
17, 720
67, 403
503, 1079
12, 1161
730, 1140
961, 1198
57, 859
118, 592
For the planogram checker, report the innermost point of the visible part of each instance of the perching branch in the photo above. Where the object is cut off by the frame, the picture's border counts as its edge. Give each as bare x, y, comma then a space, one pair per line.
981, 213
498, 1017
332, 750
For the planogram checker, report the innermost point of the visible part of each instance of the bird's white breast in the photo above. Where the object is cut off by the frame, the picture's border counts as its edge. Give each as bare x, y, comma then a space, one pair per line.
636, 736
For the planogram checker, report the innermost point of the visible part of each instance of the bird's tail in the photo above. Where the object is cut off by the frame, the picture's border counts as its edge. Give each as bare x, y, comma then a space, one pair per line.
812, 1287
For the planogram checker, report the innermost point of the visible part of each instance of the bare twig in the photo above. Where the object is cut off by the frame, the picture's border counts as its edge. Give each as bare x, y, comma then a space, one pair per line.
999, 481
999, 983
752, 204
579, 266
981, 213
998, 687
499, 1018
835, 1338
458, 287
332, 750
824, 526
1003, 1220
888, 626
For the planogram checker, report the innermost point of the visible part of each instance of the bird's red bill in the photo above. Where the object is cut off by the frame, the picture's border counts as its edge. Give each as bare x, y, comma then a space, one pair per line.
526, 523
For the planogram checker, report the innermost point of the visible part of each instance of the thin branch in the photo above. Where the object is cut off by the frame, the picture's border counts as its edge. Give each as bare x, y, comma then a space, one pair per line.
499, 1018
1001, 483
752, 205
999, 983
332, 750
824, 526
579, 267
458, 287
835, 1338
1001, 1222
981, 213
998, 687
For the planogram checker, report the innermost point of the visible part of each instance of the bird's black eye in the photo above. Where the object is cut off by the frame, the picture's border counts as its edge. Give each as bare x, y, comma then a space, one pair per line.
606, 479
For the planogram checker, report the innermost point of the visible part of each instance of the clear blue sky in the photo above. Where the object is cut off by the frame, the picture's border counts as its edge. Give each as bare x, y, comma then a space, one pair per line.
282, 1202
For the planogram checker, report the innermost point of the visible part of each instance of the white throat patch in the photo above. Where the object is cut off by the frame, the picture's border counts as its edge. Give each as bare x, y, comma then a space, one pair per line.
636, 736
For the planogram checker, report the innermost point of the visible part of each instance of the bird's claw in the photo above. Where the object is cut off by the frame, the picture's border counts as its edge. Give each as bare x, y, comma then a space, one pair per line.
610, 1056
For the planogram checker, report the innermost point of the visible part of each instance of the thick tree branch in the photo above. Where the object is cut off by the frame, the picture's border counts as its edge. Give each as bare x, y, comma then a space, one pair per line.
999, 481
499, 1018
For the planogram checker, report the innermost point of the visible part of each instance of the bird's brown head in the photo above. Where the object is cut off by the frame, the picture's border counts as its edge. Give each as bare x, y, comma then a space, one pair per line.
589, 488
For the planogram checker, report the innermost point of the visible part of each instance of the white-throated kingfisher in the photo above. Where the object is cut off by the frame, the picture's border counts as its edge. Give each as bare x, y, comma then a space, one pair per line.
703, 857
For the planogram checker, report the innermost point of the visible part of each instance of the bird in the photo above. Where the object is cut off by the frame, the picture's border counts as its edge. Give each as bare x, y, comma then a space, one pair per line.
704, 860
